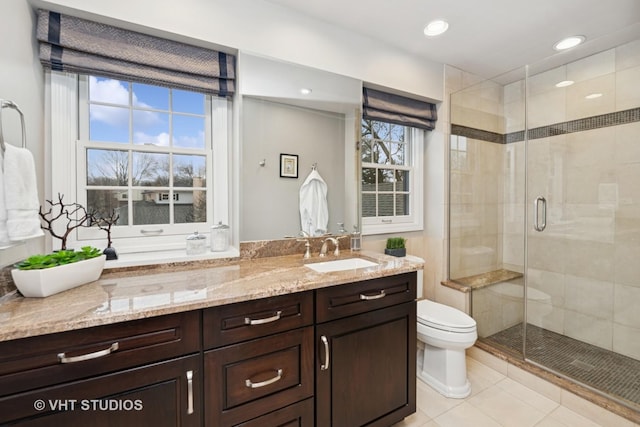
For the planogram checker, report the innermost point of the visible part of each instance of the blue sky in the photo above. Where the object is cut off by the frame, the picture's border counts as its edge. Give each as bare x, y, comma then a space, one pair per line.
151, 115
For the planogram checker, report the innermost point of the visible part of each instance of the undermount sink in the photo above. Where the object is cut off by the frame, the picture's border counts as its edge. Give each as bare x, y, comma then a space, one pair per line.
340, 265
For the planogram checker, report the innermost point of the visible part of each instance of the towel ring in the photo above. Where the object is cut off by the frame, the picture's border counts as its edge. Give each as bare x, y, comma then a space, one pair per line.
10, 104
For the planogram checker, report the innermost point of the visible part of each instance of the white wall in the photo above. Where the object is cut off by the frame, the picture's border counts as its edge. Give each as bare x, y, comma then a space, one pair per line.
21, 81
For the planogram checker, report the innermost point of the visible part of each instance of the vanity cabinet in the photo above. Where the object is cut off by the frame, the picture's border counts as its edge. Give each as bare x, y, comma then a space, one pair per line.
143, 372
366, 341
258, 362
337, 356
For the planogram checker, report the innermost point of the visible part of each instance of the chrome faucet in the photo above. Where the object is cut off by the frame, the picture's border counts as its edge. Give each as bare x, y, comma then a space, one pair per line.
323, 250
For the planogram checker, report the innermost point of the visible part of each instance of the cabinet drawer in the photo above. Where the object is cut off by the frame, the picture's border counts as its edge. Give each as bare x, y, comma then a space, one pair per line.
36, 362
234, 323
246, 380
359, 297
296, 415
163, 394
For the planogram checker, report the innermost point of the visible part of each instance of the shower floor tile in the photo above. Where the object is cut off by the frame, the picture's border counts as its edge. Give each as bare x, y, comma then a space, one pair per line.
593, 366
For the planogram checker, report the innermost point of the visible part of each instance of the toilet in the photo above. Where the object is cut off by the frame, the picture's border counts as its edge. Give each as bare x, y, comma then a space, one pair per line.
444, 333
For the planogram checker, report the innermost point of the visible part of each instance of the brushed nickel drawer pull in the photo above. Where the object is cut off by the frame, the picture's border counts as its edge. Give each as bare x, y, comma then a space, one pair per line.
364, 297
189, 392
248, 321
325, 342
250, 384
62, 357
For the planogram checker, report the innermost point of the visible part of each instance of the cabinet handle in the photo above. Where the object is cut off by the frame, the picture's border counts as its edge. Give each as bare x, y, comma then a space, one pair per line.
278, 376
189, 392
325, 342
364, 297
248, 321
62, 357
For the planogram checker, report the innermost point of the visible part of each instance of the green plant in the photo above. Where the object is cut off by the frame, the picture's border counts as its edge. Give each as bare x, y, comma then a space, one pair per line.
39, 262
395, 243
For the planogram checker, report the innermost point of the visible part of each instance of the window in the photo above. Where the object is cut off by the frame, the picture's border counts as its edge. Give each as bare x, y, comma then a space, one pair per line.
391, 177
144, 152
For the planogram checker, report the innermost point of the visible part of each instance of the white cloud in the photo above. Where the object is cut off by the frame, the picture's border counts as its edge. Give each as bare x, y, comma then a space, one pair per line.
112, 91
190, 141
161, 139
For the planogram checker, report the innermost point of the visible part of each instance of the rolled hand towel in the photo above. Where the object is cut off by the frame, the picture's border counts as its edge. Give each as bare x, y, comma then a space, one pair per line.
21, 194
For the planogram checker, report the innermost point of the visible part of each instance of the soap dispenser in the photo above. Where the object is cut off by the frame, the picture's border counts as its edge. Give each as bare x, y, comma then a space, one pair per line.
356, 239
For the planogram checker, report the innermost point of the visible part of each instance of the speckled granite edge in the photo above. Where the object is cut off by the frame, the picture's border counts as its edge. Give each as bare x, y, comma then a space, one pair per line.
478, 281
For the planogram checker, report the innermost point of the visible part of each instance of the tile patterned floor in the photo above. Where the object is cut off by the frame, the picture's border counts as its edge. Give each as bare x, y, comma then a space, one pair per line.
500, 398
601, 369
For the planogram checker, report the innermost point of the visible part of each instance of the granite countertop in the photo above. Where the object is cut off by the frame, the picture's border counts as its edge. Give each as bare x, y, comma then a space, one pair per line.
130, 295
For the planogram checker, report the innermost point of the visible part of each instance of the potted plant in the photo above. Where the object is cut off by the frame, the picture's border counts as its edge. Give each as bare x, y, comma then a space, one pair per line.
44, 275
396, 247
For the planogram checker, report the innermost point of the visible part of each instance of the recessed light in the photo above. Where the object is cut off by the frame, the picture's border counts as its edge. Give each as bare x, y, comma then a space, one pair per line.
435, 28
305, 91
593, 96
564, 83
569, 42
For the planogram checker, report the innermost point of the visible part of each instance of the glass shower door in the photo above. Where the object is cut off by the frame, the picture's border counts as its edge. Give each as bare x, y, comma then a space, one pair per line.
583, 222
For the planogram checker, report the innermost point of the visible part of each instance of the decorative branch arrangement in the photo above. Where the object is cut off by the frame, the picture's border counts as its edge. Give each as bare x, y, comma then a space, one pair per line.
74, 214
105, 223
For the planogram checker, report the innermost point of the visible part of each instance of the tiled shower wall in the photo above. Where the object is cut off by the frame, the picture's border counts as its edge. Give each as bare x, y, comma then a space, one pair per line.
584, 158
586, 260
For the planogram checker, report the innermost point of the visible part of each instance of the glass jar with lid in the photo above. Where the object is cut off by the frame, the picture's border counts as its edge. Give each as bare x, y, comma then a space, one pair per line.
196, 244
220, 237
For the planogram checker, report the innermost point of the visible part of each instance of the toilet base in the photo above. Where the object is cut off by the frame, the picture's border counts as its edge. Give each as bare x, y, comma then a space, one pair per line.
444, 370
458, 392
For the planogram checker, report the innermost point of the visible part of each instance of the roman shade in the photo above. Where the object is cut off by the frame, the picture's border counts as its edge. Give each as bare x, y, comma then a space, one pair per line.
397, 109
68, 43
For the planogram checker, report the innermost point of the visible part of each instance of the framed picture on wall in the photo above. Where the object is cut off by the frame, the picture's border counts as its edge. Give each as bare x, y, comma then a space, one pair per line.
288, 165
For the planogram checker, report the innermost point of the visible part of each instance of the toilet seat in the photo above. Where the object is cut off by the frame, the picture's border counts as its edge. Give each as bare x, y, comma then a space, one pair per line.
443, 317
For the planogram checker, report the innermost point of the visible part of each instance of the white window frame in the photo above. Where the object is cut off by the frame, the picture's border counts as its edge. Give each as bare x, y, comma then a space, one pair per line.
415, 220
64, 117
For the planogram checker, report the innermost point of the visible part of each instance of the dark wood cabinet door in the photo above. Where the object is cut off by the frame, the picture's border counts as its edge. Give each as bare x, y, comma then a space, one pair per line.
371, 375
163, 394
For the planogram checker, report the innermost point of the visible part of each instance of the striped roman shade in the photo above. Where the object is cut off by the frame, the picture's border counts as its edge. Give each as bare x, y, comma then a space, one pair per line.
80, 46
392, 108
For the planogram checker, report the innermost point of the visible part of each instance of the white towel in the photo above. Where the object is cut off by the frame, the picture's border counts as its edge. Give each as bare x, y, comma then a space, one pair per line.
314, 212
21, 194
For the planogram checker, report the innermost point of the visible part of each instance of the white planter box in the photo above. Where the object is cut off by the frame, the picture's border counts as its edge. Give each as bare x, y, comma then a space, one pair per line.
49, 281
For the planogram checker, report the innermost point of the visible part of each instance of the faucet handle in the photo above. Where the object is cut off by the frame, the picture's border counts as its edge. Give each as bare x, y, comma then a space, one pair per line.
307, 245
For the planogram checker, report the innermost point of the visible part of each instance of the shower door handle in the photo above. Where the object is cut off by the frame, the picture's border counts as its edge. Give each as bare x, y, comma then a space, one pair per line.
536, 220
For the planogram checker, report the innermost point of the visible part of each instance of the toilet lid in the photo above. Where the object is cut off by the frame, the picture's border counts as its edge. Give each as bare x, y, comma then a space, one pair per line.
443, 317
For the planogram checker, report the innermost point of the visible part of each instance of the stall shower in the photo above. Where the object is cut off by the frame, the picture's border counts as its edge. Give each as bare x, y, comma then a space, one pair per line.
544, 218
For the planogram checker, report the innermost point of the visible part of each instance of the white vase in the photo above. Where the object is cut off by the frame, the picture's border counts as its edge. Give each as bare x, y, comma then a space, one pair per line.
49, 281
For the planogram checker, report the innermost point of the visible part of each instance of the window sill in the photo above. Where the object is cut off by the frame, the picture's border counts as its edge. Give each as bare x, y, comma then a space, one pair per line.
372, 229
137, 259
